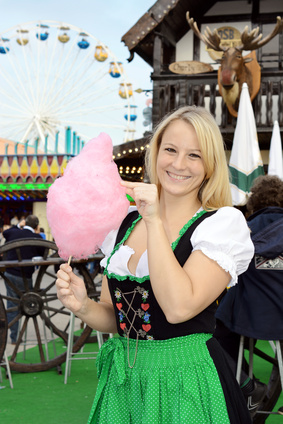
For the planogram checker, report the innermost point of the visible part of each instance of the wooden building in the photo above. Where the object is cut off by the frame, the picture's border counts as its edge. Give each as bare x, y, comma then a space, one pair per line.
162, 36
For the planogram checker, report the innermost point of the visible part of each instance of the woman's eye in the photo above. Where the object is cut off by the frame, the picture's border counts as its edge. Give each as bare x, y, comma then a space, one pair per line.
194, 155
170, 150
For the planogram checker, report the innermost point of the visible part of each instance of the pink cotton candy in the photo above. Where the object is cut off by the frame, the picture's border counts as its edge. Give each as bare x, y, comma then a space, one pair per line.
88, 202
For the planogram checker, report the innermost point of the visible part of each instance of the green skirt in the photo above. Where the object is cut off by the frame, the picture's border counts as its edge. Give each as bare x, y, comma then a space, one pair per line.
172, 381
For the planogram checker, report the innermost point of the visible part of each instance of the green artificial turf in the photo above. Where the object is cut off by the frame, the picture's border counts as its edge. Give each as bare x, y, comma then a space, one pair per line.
43, 398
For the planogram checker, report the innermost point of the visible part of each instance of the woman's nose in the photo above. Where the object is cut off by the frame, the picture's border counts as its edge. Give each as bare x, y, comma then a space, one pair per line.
179, 162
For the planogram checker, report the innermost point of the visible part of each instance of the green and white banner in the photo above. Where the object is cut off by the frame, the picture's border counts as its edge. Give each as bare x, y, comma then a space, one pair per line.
245, 161
275, 166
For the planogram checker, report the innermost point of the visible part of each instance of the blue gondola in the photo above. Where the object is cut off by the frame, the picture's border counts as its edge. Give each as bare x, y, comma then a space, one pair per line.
115, 69
133, 115
42, 36
4, 50
83, 44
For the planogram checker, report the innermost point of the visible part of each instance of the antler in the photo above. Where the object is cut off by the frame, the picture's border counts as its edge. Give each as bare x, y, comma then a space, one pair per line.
252, 41
211, 39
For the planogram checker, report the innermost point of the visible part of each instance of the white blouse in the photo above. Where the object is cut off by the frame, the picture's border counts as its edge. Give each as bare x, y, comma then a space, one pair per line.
223, 237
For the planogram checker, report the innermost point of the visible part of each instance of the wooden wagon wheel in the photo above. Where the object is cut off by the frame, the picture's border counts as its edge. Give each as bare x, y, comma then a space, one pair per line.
3, 329
39, 306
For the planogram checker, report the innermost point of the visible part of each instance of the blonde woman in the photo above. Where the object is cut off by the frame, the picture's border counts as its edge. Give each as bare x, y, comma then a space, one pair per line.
173, 256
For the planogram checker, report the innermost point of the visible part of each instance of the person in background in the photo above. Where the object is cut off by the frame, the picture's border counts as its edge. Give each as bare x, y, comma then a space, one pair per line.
174, 254
2, 240
254, 307
14, 220
21, 278
42, 233
5, 227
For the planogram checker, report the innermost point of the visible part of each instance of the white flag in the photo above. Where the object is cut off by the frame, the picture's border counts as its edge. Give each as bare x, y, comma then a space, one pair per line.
245, 161
275, 166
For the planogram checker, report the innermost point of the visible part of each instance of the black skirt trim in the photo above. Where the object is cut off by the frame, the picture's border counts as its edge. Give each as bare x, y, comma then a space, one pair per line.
235, 400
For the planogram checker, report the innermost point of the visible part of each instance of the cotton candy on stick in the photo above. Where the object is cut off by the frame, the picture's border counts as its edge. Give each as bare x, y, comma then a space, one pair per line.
87, 202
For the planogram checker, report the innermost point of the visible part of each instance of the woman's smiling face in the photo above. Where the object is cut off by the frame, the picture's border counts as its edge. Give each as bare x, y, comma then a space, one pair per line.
180, 166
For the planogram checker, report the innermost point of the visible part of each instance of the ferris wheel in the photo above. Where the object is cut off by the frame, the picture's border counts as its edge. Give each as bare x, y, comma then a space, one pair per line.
55, 76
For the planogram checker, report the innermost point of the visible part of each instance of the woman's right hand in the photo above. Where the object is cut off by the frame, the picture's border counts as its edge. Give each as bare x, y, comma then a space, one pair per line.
71, 289
146, 198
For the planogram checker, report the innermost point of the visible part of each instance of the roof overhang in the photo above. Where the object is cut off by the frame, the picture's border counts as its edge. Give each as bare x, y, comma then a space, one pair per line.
168, 19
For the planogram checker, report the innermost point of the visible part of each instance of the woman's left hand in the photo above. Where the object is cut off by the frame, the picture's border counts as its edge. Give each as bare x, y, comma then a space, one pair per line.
145, 197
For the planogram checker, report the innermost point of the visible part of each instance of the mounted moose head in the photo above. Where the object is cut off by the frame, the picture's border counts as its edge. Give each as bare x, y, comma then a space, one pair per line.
233, 71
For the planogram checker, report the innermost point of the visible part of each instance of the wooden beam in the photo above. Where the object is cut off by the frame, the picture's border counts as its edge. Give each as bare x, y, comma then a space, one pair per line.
167, 33
255, 10
157, 54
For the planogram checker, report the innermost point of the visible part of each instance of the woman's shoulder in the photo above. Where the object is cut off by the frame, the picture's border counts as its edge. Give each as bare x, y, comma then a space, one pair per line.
225, 237
224, 217
229, 212
225, 220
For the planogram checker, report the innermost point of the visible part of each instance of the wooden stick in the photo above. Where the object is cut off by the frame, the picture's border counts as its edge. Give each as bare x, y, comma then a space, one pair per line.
69, 260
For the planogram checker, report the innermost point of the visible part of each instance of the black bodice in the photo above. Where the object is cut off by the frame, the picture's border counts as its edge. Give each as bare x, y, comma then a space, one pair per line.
136, 308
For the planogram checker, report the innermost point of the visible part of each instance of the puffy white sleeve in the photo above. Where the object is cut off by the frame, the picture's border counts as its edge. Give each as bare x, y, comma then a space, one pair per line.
109, 242
225, 238
108, 246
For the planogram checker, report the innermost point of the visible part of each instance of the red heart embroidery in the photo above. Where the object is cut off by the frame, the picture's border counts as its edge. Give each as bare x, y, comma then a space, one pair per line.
119, 306
145, 306
146, 327
123, 325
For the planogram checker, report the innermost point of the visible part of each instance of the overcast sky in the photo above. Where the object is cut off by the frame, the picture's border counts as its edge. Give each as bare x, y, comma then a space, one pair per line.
107, 20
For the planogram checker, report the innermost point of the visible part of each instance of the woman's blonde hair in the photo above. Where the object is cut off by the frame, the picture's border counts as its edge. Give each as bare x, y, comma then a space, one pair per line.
215, 190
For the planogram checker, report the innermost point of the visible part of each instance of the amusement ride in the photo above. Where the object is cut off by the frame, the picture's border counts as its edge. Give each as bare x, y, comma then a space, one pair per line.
54, 75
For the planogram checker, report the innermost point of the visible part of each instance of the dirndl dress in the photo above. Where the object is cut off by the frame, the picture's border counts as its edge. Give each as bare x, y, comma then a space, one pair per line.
157, 372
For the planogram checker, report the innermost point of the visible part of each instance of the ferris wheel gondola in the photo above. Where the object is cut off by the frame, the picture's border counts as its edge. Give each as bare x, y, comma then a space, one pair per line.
54, 75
